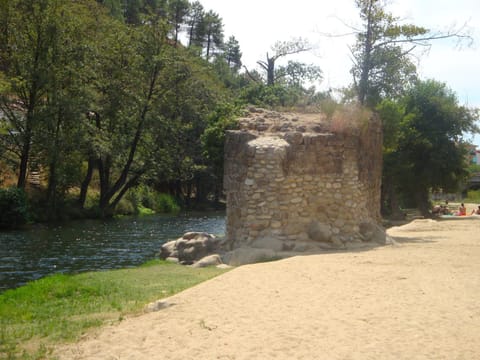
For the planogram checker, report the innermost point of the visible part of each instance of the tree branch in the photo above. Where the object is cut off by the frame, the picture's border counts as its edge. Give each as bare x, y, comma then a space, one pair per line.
263, 64
249, 74
423, 41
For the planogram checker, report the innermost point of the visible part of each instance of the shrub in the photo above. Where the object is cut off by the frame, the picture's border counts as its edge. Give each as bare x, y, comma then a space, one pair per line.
166, 203
13, 208
143, 200
125, 207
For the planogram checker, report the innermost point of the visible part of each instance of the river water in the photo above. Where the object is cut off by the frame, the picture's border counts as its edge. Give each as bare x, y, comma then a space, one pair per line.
93, 245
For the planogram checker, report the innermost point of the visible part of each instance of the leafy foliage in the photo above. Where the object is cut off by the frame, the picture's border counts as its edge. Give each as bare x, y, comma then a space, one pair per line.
280, 50
424, 148
382, 67
102, 96
13, 208
213, 138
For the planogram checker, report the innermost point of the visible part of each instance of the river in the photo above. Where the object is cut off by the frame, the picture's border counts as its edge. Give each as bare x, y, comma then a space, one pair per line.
93, 245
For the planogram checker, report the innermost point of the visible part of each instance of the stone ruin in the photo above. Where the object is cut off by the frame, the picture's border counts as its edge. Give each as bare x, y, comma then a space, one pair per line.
295, 183
303, 182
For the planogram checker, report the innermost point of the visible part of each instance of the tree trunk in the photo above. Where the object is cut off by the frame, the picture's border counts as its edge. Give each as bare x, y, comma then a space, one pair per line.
22, 176
25, 154
108, 192
422, 201
52, 191
270, 71
209, 44
366, 61
86, 182
390, 203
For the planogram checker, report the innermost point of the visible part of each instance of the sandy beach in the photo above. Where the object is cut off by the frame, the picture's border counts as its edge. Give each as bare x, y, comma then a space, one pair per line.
418, 298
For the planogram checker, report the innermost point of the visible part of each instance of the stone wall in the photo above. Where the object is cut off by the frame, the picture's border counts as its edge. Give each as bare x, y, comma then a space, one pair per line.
293, 184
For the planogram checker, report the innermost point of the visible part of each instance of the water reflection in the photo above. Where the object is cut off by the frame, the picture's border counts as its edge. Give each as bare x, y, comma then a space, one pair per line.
91, 245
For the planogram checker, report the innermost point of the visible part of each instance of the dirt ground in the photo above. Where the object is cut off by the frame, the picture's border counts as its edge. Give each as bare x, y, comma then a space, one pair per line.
418, 298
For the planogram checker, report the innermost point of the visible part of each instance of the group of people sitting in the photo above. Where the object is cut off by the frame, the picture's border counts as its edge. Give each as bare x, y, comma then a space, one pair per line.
462, 210
441, 210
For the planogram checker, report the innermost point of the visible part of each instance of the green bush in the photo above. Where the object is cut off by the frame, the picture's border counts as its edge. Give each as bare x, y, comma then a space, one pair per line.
125, 207
141, 197
143, 200
166, 203
13, 208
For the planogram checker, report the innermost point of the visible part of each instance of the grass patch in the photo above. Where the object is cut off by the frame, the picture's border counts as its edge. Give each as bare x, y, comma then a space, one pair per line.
143, 211
61, 308
473, 196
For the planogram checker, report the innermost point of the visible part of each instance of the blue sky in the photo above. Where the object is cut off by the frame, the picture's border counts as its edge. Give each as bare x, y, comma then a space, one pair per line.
258, 24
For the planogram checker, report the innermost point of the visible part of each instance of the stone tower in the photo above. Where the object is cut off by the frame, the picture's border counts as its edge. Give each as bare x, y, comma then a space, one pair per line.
299, 182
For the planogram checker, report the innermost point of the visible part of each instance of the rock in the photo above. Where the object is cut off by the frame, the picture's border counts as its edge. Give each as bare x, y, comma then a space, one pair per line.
390, 241
373, 232
302, 246
157, 305
191, 247
192, 235
268, 243
319, 232
242, 256
169, 250
223, 266
337, 243
210, 260
249, 182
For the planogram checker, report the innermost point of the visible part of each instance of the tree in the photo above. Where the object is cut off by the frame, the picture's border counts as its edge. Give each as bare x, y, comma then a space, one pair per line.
232, 53
194, 22
42, 57
210, 33
193, 93
382, 53
213, 140
429, 152
177, 12
296, 73
127, 86
86, 91
59, 141
281, 49
391, 112
115, 7
25, 58
133, 12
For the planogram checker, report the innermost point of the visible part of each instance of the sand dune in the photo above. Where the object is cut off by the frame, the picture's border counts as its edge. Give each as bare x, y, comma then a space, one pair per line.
416, 299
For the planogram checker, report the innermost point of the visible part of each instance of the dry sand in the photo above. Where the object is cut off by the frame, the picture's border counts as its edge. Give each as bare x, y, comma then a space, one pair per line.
416, 299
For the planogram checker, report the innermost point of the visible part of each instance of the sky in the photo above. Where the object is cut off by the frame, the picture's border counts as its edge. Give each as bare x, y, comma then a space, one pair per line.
258, 24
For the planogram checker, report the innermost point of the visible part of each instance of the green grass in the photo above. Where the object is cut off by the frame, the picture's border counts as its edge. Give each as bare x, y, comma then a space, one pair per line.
143, 211
61, 308
473, 196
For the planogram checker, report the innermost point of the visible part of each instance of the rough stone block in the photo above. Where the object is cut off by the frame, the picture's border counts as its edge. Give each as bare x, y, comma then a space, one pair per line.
319, 232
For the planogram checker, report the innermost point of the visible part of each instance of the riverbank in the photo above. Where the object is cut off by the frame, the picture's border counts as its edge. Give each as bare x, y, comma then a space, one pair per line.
415, 299
93, 245
61, 308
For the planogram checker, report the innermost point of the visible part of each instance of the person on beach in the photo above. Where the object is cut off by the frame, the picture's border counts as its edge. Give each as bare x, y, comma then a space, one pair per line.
440, 210
462, 210
476, 211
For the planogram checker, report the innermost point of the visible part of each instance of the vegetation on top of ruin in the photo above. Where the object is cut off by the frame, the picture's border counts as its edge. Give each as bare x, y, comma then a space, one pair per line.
345, 118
